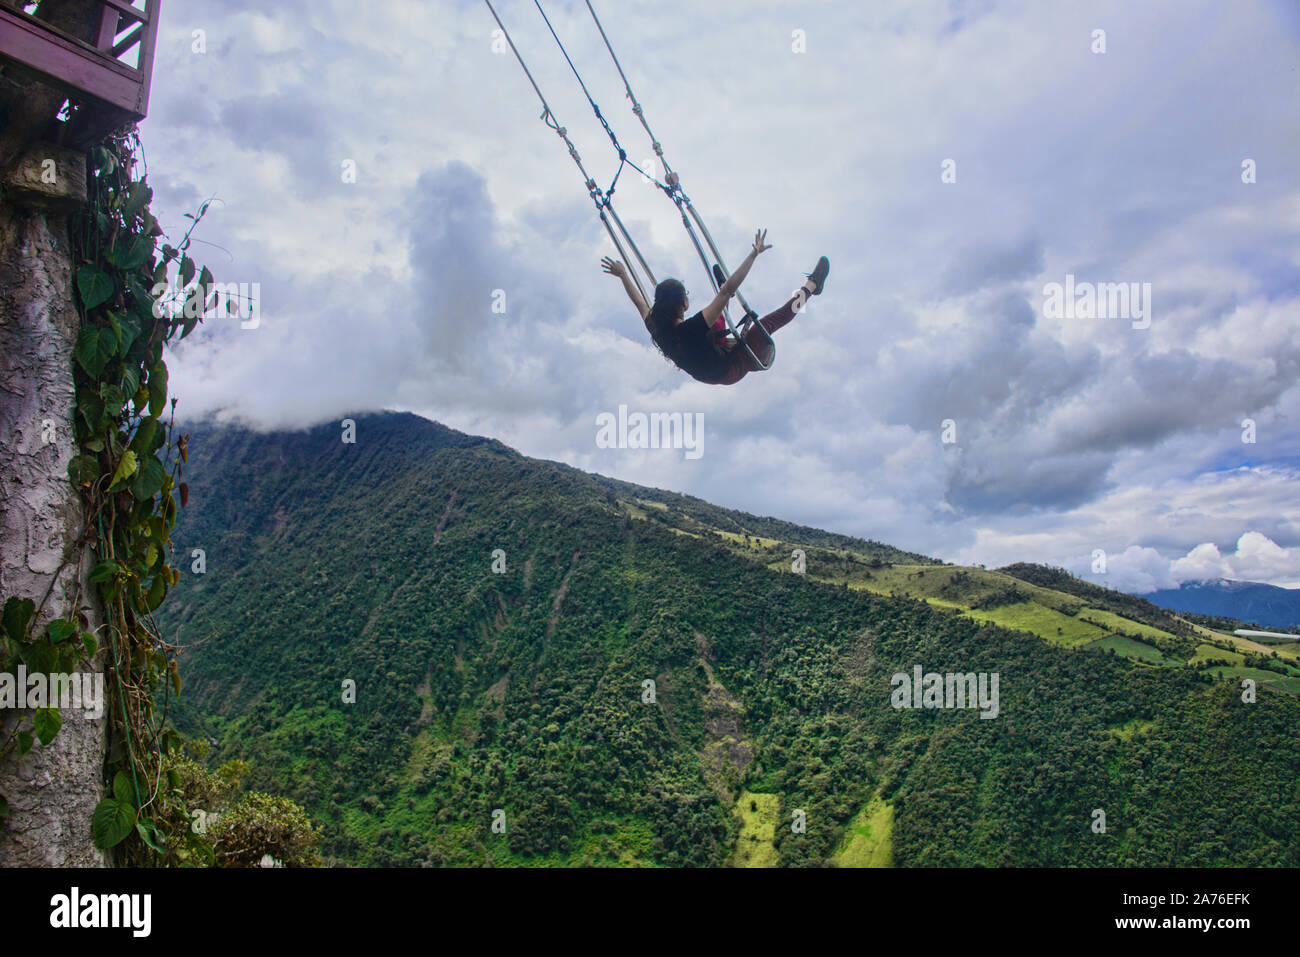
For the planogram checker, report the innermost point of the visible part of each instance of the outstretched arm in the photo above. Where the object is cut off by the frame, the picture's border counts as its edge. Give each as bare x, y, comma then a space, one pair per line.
714, 309
616, 268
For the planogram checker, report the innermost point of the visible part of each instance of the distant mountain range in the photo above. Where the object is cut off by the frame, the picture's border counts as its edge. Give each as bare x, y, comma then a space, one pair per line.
1246, 601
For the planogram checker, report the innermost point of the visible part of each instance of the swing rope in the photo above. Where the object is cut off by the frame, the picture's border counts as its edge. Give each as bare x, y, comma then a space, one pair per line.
595, 108
604, 198
604, 205
636, 106
683, 203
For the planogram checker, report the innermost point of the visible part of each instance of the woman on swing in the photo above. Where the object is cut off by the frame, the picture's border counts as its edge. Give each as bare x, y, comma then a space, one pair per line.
701, 345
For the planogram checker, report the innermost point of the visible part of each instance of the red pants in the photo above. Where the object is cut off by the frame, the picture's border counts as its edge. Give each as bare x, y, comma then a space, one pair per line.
741, 363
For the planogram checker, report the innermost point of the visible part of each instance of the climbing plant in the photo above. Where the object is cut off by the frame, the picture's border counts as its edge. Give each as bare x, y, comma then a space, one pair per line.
133, 297
130, 474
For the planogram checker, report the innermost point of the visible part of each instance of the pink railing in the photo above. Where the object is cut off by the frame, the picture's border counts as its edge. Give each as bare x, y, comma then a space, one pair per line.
92, 72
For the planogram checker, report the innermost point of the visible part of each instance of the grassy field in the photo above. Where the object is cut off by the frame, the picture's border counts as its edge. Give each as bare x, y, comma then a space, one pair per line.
758, 817
1131, 648
869, 840
1291, 684
1206, 652
1048, 611
1113, 622
963, 586
634, 511
740, 539
1047, 623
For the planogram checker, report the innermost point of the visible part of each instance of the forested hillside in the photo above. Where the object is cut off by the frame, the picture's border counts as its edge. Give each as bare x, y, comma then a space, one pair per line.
633, 685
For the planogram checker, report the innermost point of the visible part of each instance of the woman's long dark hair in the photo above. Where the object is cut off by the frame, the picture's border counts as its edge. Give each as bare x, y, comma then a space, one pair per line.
669, 296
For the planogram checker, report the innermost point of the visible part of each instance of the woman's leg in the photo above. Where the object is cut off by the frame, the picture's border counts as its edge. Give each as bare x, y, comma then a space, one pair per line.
758, 343
773, 321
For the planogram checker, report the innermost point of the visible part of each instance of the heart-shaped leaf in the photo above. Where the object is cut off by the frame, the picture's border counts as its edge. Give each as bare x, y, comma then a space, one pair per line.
157, 389
123, 789
111, 823
125, 469
150, 479
46, 723
16, 615
131, 255
151, 836
104, 571
83, 469
143, 438
89, 354
137, 198
114, 398
157, 592
95, 286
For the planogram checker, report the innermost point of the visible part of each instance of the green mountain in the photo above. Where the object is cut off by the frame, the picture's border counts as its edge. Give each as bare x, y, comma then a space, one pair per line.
647, 679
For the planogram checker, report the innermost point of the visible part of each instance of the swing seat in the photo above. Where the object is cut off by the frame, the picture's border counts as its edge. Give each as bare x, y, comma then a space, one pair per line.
747, 322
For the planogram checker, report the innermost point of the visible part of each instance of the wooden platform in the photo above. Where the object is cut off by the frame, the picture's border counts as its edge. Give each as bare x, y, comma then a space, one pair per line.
110, 92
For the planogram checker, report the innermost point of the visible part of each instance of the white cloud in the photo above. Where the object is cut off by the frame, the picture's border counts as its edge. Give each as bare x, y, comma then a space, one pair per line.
1202, 563
1141, 569
1072, 435
1137, 569
1259, 558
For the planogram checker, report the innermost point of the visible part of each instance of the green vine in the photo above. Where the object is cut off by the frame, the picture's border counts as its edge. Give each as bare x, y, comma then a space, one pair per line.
129, 472
134, 296
130, 475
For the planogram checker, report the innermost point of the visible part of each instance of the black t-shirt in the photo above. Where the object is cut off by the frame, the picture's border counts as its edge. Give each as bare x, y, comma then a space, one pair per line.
696, 351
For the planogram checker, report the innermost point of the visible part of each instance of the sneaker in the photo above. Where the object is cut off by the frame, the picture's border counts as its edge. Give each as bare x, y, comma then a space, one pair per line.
819, 274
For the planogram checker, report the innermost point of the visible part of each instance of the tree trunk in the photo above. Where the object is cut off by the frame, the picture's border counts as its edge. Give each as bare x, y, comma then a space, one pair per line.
51, 791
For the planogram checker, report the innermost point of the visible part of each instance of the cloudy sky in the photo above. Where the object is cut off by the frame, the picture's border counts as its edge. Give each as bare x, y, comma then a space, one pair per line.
835, 126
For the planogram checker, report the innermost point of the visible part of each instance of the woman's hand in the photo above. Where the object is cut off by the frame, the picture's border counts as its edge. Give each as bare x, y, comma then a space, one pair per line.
758, 242
613, 267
